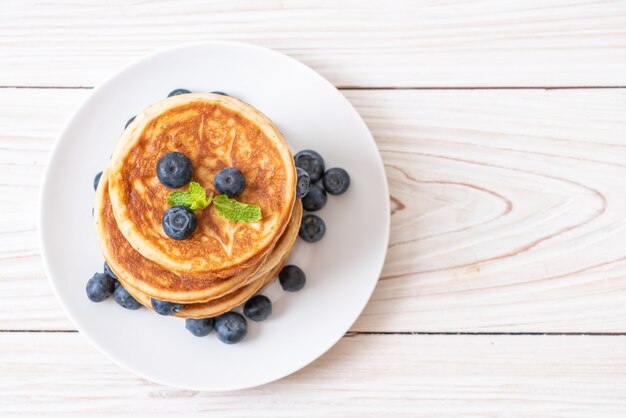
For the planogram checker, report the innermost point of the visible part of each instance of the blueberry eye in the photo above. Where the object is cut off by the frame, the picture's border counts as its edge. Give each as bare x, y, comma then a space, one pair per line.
179, 222
174, 170
230, 181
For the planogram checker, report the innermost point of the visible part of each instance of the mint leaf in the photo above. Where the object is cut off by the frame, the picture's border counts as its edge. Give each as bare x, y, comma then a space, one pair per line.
196, 191
179, 199
198, 196
194, 199
236, 211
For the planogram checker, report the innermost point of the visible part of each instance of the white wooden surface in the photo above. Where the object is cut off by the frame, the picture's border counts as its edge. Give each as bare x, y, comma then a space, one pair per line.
363, 43
555, 376
508, 240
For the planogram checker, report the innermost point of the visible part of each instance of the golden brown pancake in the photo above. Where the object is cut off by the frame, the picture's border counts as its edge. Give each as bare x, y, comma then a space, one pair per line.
268, 272
215, 132
149, 278
218, 306
274, 261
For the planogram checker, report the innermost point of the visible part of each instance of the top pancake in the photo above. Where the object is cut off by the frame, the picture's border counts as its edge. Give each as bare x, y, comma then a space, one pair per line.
150, 280
214, 132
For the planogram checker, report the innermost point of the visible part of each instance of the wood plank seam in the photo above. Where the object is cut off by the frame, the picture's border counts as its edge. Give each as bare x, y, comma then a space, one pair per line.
382, 333
377, 88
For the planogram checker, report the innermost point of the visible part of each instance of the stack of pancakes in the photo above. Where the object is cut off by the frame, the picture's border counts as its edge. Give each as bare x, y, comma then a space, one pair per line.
223, 263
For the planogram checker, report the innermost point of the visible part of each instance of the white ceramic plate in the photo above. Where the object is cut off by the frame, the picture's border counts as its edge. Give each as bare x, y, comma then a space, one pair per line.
342, 269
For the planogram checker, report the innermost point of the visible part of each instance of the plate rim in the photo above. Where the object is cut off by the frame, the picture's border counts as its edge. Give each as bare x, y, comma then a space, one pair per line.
46, 179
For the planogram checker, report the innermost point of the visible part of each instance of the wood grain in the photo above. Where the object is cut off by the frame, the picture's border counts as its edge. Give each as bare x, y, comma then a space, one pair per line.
430, 376
363, 43
508, 209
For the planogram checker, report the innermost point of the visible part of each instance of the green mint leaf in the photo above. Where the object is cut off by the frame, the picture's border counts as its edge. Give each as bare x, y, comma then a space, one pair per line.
179, 199
236, 211
198, 196
196, 191
194, 199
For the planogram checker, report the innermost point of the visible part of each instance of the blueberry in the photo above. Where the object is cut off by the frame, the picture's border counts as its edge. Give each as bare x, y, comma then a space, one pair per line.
291, 278
199, 327
100, 287
130, 121
230, 181
231, 327
179, 222
336, 181
163, 307
315, 199
108, 271
125, 299
221, 93
174, 170
178, 92
303, 184
311, 162
258, 308
312, 228
96, 180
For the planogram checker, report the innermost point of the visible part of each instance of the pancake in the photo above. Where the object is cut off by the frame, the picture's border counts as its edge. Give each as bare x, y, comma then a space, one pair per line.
221, 305
214, 132
149, 278
232, 300
277, 256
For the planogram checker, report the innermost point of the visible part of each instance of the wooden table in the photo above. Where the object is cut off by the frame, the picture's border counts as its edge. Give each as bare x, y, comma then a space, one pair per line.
502, 125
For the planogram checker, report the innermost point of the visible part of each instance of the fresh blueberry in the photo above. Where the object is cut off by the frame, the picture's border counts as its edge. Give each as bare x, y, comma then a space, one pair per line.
96, 180
125, 299
336, 181
100, 287
221, 93
312, 228
199, 327
311, 162
315, 199
179, 222
177, 92
108, 271
230, 181
163, 307
258, 308
130, 121
231, 327
292, 278
174, 170
303, 183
